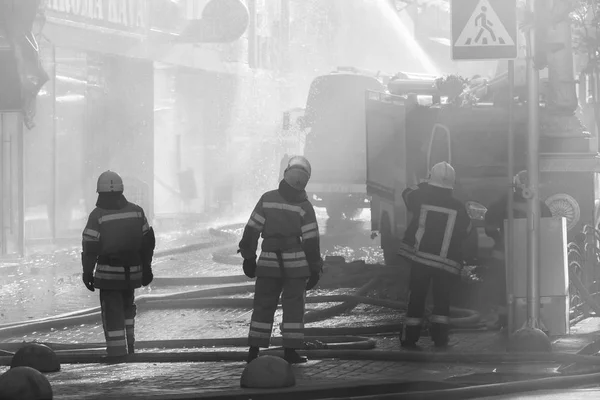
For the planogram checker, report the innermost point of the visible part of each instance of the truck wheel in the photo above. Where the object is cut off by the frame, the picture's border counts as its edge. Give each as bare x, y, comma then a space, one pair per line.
334, 213
351, 212
387, 241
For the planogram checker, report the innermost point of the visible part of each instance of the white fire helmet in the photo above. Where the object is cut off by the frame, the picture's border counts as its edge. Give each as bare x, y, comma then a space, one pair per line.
109, 181
297, 172
442, 175
521, 180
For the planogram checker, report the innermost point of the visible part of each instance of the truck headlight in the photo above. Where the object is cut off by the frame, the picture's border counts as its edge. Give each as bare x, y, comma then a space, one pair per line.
476, 210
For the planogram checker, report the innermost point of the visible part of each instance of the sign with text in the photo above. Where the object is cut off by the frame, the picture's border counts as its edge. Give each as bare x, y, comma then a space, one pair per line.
130, 15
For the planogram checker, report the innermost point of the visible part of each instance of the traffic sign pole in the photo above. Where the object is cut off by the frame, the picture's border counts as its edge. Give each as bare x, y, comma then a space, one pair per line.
533, 202
511, 173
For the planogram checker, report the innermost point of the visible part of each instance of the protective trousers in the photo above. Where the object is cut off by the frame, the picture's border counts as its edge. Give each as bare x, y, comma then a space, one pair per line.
266, 296
118, 317
421, 276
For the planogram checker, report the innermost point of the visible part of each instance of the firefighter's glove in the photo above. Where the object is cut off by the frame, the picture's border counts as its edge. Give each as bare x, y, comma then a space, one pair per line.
313, 280
249, 267
88, 281
147, 276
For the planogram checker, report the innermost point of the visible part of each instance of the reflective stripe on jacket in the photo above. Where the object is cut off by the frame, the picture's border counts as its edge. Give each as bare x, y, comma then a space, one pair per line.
437, 229
116, 235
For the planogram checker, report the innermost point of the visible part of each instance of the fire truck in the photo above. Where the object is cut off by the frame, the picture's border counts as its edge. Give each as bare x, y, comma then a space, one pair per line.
334, 125
406, 138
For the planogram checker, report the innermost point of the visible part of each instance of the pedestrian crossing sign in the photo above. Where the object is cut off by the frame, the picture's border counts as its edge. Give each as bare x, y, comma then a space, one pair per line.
484, 29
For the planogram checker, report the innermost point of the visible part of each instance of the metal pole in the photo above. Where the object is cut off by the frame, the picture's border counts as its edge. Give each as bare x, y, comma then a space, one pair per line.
3, 191
53, 224
20, 185
511, 173
533, 204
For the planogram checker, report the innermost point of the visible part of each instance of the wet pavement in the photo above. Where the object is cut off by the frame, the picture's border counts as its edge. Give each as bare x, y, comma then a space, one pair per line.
40, 286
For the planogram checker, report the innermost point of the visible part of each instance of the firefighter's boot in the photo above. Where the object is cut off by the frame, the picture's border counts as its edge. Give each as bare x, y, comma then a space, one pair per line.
252, 354
130, 348
292, 357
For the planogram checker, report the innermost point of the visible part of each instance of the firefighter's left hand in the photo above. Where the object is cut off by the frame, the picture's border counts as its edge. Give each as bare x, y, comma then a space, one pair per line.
88, 281
249, 267
147, 276
312, 281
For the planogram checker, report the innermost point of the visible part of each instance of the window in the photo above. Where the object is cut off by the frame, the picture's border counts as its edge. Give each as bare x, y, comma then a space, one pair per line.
439, 146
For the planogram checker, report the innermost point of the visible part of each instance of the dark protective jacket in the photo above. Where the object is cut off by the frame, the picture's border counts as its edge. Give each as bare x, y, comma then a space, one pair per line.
288, 225
497, 212
118, 242
438, 226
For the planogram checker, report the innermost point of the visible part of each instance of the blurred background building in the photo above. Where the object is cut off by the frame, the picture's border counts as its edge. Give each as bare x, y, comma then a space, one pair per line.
184, 98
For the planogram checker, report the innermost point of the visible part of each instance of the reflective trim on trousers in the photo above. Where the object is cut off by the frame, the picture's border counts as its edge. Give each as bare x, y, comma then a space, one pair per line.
286, 264
116, 343
266, 326
118, 277
118, 269
439, 319
257, 334
410, 321
292, 273
292, 335
292, 325
430, 260
119, 333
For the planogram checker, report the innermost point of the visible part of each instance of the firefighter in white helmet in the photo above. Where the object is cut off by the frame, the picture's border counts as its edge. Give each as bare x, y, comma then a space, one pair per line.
433, 245
118, 246
494, 273
290, 260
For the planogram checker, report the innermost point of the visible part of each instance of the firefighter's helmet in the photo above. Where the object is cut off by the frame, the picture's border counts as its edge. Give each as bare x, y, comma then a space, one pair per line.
521, 180
442, 175
297, 172
109, 181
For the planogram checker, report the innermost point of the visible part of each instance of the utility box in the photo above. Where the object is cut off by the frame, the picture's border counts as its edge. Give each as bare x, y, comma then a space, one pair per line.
554, 276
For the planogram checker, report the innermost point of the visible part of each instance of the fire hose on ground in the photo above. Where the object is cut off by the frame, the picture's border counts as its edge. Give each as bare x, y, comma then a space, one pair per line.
342, 343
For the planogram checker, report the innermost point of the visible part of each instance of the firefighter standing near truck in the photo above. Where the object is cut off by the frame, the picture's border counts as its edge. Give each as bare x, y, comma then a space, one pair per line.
494, 276
290, 260
118, 246
433, 244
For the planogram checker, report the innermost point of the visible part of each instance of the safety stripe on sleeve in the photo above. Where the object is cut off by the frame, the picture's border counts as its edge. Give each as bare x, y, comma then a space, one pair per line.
145, 228
254, 225
258, 218
91, 234
310, 235
309, 227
